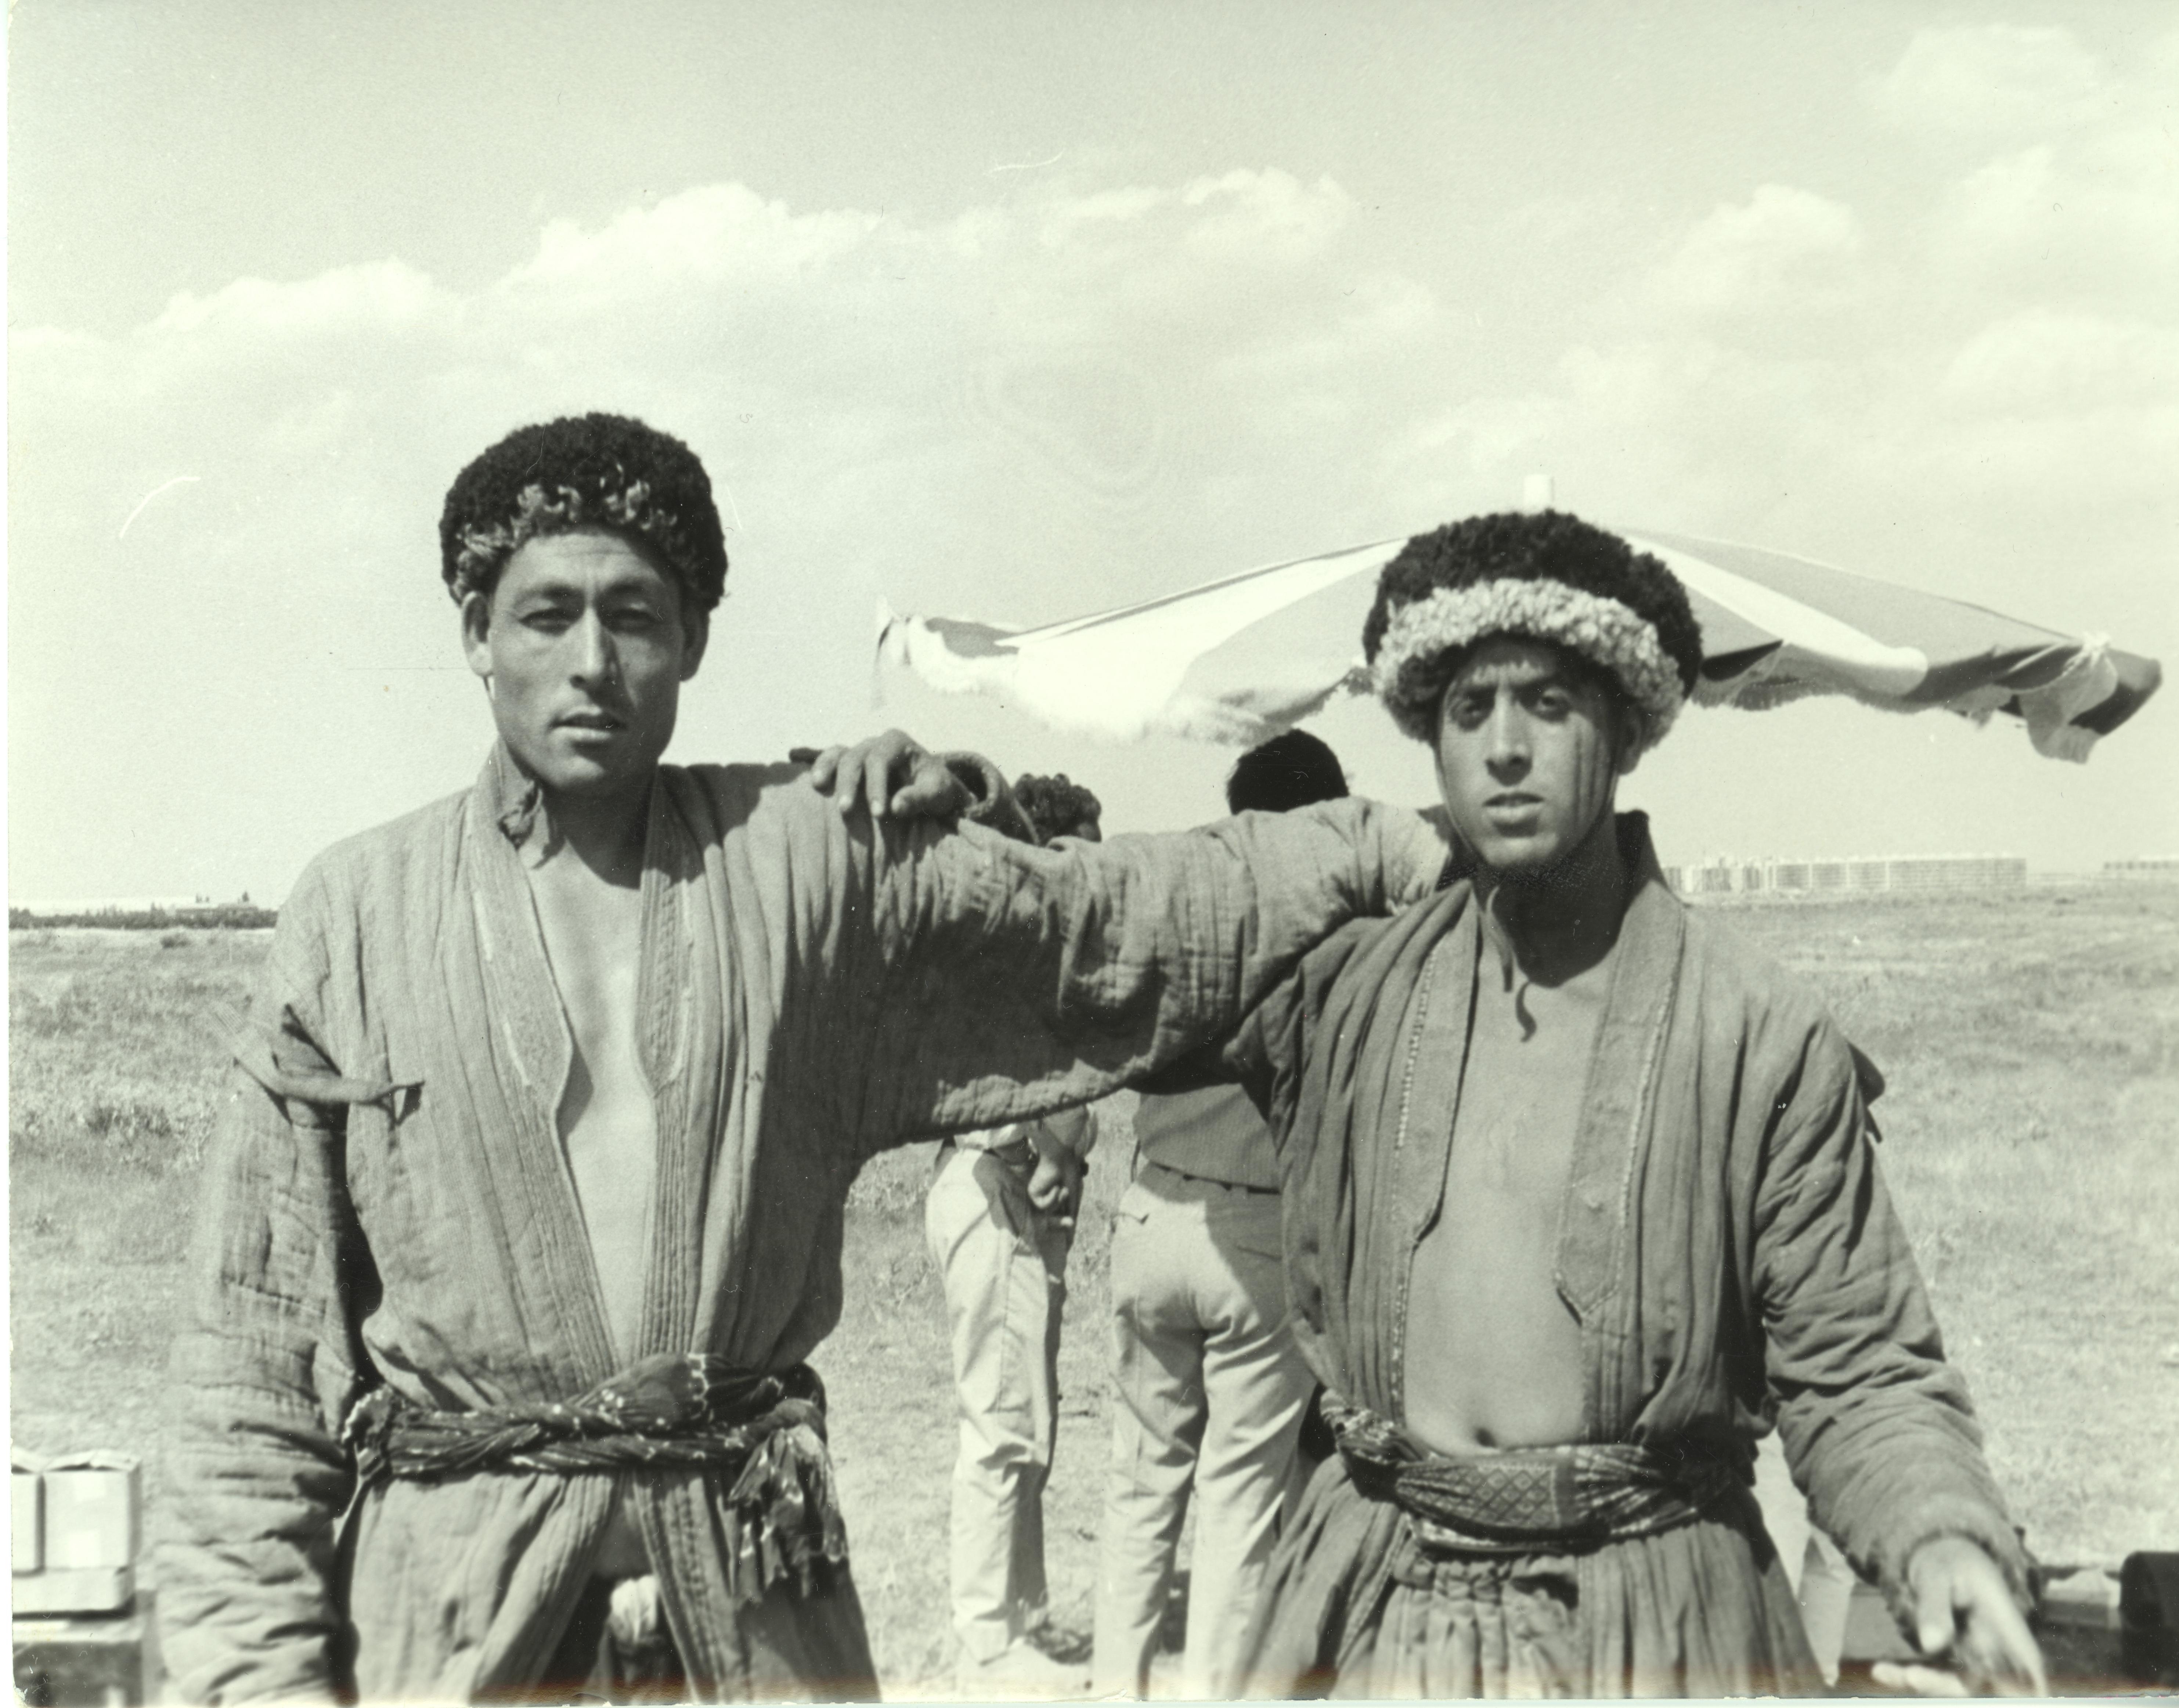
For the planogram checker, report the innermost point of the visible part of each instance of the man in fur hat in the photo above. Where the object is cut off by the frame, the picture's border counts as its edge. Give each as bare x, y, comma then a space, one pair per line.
525, 1212
1576, 1183
1576, 1178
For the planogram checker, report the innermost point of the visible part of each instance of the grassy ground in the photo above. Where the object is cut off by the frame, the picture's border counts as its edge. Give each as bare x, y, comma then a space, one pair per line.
2032, 1139
893, 1436
113, 1080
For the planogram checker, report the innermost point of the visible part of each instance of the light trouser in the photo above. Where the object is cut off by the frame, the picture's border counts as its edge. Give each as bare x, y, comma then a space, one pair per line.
1003, 1267
1814, 1566
1210, 1393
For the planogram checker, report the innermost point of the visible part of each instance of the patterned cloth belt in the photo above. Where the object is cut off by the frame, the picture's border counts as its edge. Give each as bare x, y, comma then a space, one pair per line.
673, 1411
1528, 1500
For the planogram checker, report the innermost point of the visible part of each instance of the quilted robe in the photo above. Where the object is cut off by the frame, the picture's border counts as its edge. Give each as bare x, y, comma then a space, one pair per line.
386, 1201
1727, 1247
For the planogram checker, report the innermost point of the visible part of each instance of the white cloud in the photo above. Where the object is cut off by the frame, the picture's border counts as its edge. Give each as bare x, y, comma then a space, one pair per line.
1485, 436
712, 235
2061, 183
2002, 352
2044, 361
1078, 376
1379, 312
1083, 392
388, 297
1783, 251
1265, 219
1990, 79
2096, 221
1063, 221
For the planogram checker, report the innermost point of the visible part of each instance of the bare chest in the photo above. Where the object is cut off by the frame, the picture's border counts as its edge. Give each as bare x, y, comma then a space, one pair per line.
1494, 1352
593, 937
607, 1123
1520, 1099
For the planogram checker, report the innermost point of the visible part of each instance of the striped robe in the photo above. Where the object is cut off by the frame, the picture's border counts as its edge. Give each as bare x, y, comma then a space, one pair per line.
387, 1200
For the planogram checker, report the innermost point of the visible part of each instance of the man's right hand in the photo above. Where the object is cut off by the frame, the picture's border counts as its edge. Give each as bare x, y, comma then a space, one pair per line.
893, 775
1964, 1619
1055, 1185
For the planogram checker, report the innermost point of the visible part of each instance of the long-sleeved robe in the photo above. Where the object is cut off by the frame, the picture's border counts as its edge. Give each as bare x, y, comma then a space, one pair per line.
1724, 1234
387, 1199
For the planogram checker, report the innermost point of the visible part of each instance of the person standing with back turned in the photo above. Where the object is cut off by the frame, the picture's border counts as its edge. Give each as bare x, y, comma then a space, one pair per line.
1210, 1386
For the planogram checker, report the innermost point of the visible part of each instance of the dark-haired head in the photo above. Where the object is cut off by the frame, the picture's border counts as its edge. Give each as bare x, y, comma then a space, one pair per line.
1056, 807
607, 473
1288, 771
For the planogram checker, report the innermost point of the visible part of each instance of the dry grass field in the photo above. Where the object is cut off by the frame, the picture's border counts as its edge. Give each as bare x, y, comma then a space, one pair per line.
2031, 1136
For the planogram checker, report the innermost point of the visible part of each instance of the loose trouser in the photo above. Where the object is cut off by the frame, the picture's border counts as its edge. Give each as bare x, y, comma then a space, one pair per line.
1003, 1267
1211, 1393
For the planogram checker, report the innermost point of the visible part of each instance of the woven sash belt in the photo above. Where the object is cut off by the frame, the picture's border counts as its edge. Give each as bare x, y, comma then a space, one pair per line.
1527, 1501
672, 1412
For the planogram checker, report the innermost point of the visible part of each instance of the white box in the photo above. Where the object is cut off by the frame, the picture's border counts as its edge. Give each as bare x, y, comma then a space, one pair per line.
92, 1516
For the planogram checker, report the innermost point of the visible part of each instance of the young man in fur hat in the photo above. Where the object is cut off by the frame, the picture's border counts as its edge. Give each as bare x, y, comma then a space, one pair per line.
525, 1212
1576, 1178
1574, 1182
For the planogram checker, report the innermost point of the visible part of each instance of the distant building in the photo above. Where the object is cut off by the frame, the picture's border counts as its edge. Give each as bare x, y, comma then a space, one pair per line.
110, 904
2165, 867
1862, 876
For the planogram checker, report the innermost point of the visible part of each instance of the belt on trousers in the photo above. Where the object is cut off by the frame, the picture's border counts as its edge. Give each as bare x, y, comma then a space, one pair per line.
1206, 1180
670, 1412
1526, 1501
1017, 1154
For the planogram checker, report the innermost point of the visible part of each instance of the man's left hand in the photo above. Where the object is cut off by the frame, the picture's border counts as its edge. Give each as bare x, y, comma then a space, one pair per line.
1964, 1615
893, 775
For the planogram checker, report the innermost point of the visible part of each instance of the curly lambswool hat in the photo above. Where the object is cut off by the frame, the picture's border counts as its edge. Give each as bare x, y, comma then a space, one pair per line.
1547, 576
584, 471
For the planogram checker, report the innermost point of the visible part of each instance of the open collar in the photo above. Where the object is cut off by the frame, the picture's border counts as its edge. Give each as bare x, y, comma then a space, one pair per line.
1616, 1104
509, 831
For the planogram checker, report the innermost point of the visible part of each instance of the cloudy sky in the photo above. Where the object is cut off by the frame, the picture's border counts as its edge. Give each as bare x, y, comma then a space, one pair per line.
1016, 311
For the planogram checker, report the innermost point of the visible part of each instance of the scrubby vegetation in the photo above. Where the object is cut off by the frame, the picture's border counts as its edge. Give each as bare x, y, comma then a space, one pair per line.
2032, 1139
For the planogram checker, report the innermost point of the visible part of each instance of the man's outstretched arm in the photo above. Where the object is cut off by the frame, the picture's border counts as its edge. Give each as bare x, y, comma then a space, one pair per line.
1003, 980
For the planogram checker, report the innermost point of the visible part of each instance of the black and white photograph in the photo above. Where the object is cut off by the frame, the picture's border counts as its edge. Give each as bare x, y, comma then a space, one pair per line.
992, 852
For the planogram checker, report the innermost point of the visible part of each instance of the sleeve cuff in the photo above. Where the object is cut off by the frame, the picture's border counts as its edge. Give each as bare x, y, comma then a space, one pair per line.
1952, 1516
